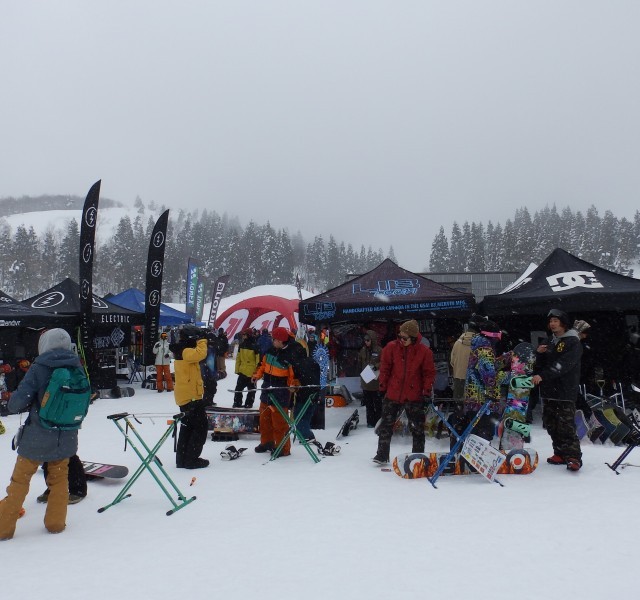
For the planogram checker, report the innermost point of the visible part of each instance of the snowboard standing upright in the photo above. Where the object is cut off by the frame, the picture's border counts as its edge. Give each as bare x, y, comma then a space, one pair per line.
513, 426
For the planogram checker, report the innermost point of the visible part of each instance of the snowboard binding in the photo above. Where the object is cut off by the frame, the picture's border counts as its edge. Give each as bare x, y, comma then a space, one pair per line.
231, 452
523, 429
329, 449
351, 424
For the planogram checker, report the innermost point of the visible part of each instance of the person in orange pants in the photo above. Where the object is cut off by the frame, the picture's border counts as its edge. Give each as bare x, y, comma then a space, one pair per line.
277, 372
163, 363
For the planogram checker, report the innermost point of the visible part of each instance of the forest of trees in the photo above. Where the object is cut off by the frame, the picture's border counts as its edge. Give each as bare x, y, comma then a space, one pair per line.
604, 240
263, 254
252, 255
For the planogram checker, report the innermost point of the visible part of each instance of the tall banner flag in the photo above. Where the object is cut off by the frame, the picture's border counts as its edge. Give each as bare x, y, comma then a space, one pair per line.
192, 288
199, 300
85, 271
216, 296
302, 332
153, 290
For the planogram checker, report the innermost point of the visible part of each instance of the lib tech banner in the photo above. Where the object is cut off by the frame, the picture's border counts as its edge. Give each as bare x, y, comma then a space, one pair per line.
153, 290
192, 288
85, 271
216, 296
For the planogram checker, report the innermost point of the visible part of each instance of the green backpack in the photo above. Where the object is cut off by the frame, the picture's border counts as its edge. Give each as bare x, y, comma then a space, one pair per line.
66, 400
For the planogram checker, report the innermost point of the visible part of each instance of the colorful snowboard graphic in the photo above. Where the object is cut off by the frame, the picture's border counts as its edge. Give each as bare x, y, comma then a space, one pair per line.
522, 363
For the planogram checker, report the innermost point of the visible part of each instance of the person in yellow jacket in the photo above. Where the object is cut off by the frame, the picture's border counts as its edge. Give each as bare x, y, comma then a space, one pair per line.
247, 361
188, 391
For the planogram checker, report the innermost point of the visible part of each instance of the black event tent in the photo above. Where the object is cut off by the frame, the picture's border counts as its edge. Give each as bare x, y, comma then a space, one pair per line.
567, 282
64, 299
387, 292
15, 314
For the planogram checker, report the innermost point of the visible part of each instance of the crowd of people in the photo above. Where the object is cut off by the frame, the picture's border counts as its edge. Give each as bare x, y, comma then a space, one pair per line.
396, 377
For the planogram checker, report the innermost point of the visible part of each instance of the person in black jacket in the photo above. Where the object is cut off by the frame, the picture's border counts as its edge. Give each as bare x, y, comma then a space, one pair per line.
558, 375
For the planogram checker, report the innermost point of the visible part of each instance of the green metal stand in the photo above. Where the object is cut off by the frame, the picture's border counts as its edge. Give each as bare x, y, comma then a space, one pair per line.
293, 429
149, 462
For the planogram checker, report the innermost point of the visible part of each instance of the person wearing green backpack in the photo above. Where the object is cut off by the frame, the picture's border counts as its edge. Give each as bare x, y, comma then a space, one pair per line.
37, 444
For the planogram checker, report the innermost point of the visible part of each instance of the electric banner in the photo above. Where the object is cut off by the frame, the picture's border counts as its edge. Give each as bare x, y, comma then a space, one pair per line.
153, 290
85, 271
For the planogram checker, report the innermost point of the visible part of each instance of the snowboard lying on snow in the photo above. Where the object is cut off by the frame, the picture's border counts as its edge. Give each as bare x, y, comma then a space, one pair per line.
413, 466
95, 470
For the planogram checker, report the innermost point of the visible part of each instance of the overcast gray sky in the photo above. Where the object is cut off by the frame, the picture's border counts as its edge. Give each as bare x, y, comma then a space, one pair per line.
377, 121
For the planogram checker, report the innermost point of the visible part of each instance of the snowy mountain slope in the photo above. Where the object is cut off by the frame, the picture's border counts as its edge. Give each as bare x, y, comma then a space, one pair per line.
58, 220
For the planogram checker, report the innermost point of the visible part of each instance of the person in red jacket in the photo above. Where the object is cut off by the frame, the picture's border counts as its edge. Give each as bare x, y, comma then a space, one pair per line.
406, 376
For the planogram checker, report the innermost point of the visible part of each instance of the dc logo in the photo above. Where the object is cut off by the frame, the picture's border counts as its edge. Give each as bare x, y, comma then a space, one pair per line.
158, 239
84, 291
156, 268
90, 216
49, 300
154, 298
86, 253
561, 282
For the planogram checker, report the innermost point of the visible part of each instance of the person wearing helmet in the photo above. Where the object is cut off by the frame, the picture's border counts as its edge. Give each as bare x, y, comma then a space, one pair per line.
558, 375
188, 391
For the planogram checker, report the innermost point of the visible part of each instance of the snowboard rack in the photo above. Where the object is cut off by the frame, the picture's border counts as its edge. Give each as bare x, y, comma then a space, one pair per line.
634, 443
292, 423
460, 439
150, 461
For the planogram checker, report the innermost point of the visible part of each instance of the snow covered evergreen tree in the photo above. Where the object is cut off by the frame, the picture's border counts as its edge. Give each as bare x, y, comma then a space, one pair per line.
439, 259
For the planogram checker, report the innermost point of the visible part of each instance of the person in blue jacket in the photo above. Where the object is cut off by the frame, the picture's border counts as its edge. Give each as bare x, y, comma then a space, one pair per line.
35, 443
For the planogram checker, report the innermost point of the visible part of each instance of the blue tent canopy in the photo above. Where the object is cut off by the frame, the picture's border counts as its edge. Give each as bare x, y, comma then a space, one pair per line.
133, 299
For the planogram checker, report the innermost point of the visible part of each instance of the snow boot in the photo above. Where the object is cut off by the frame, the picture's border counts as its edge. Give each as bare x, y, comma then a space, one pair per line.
556, 460
380, 460
266, 447
573, 464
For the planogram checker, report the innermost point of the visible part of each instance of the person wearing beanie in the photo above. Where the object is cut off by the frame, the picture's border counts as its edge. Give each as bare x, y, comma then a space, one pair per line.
35, 443
587, 369
406, 377
276, 371
557, 374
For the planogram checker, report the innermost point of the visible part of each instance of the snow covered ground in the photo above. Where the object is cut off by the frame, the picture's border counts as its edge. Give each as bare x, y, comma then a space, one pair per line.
334, 530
